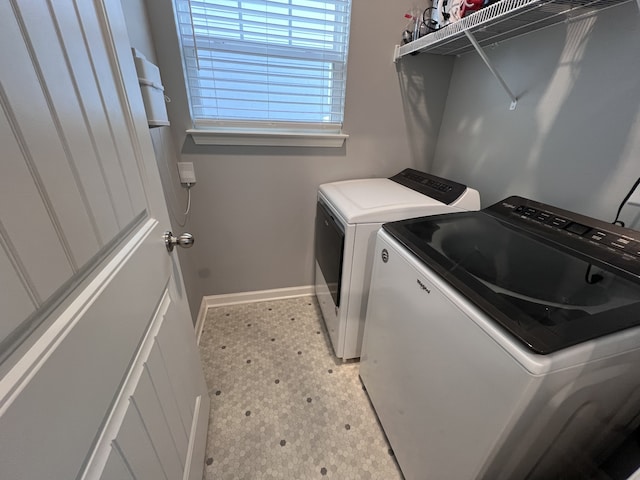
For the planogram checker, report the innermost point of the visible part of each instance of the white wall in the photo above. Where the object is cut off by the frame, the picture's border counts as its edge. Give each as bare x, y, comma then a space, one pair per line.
574, 139
254, 207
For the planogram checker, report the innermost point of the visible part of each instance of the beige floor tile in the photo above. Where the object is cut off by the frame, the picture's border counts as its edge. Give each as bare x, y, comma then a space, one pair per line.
283, 407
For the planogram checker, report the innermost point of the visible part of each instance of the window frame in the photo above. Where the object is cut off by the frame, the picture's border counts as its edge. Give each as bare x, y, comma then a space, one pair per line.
258, 132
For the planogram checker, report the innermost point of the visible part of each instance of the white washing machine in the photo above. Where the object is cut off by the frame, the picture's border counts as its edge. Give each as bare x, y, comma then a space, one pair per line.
348, 215
504, 343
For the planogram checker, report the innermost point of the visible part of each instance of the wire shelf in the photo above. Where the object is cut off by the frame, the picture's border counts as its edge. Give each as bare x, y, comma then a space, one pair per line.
500, 21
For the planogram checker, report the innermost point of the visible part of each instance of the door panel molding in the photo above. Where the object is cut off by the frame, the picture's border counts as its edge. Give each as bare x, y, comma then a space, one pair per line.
96, 461
42, 33
149, 408
37, 126
93, 105
105, 63
116, 467
14, 381
15, 294
15, 342
162, 386
47, 267
22, 144
91, 169
18, 267
197, 439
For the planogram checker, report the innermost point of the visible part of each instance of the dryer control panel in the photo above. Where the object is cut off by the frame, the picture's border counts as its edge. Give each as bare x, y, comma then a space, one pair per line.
442, 189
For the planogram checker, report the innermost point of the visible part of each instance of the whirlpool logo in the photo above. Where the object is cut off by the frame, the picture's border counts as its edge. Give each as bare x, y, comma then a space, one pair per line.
423, 286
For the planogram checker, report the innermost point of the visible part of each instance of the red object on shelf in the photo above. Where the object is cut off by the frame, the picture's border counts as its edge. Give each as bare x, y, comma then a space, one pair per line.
470, 6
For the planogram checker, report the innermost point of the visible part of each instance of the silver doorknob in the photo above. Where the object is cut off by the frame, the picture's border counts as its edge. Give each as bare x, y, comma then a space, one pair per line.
185, 240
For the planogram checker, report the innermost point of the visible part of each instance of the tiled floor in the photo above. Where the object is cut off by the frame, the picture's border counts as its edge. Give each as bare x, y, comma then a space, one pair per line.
283, 407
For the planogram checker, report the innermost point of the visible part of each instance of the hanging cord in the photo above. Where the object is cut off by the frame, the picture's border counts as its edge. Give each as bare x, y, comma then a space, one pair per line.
187, 210
429, 23
169, 181
596, 277
624, 202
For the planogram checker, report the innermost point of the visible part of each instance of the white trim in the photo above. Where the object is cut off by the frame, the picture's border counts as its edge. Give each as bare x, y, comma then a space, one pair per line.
266, 138
98, 457
258, 296
209, 301
193, 437
266, 126
25, 369
202, 315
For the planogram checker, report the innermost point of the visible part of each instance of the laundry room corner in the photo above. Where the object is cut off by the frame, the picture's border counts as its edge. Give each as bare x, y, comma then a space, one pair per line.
254, 207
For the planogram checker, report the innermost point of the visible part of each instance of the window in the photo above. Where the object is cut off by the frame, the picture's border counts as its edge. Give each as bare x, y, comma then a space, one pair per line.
265, 63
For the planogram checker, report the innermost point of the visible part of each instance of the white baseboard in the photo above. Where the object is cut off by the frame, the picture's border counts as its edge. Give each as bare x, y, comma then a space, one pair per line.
247, 297
202, 315
258, 296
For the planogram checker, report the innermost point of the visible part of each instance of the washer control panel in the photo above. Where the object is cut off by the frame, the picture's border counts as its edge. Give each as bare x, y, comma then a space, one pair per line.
616, 244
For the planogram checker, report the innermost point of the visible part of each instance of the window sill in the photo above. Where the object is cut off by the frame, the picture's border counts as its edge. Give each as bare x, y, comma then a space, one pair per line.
266, 138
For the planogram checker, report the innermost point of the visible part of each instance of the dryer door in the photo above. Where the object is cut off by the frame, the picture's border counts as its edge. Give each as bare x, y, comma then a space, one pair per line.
329, 249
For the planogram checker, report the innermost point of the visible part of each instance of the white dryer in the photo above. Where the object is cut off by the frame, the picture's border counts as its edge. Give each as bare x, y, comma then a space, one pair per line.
348, 215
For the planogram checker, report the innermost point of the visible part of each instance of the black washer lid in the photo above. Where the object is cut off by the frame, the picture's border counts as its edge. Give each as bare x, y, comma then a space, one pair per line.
547, 293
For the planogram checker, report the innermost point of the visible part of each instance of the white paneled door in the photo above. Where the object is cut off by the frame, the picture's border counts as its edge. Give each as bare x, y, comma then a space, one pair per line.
99, 371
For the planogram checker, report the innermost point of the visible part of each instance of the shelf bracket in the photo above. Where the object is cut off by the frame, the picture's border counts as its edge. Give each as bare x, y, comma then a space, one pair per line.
485, 59
396, 52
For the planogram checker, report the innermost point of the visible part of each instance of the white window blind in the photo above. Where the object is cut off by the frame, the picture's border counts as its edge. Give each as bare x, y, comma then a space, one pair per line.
263, 63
